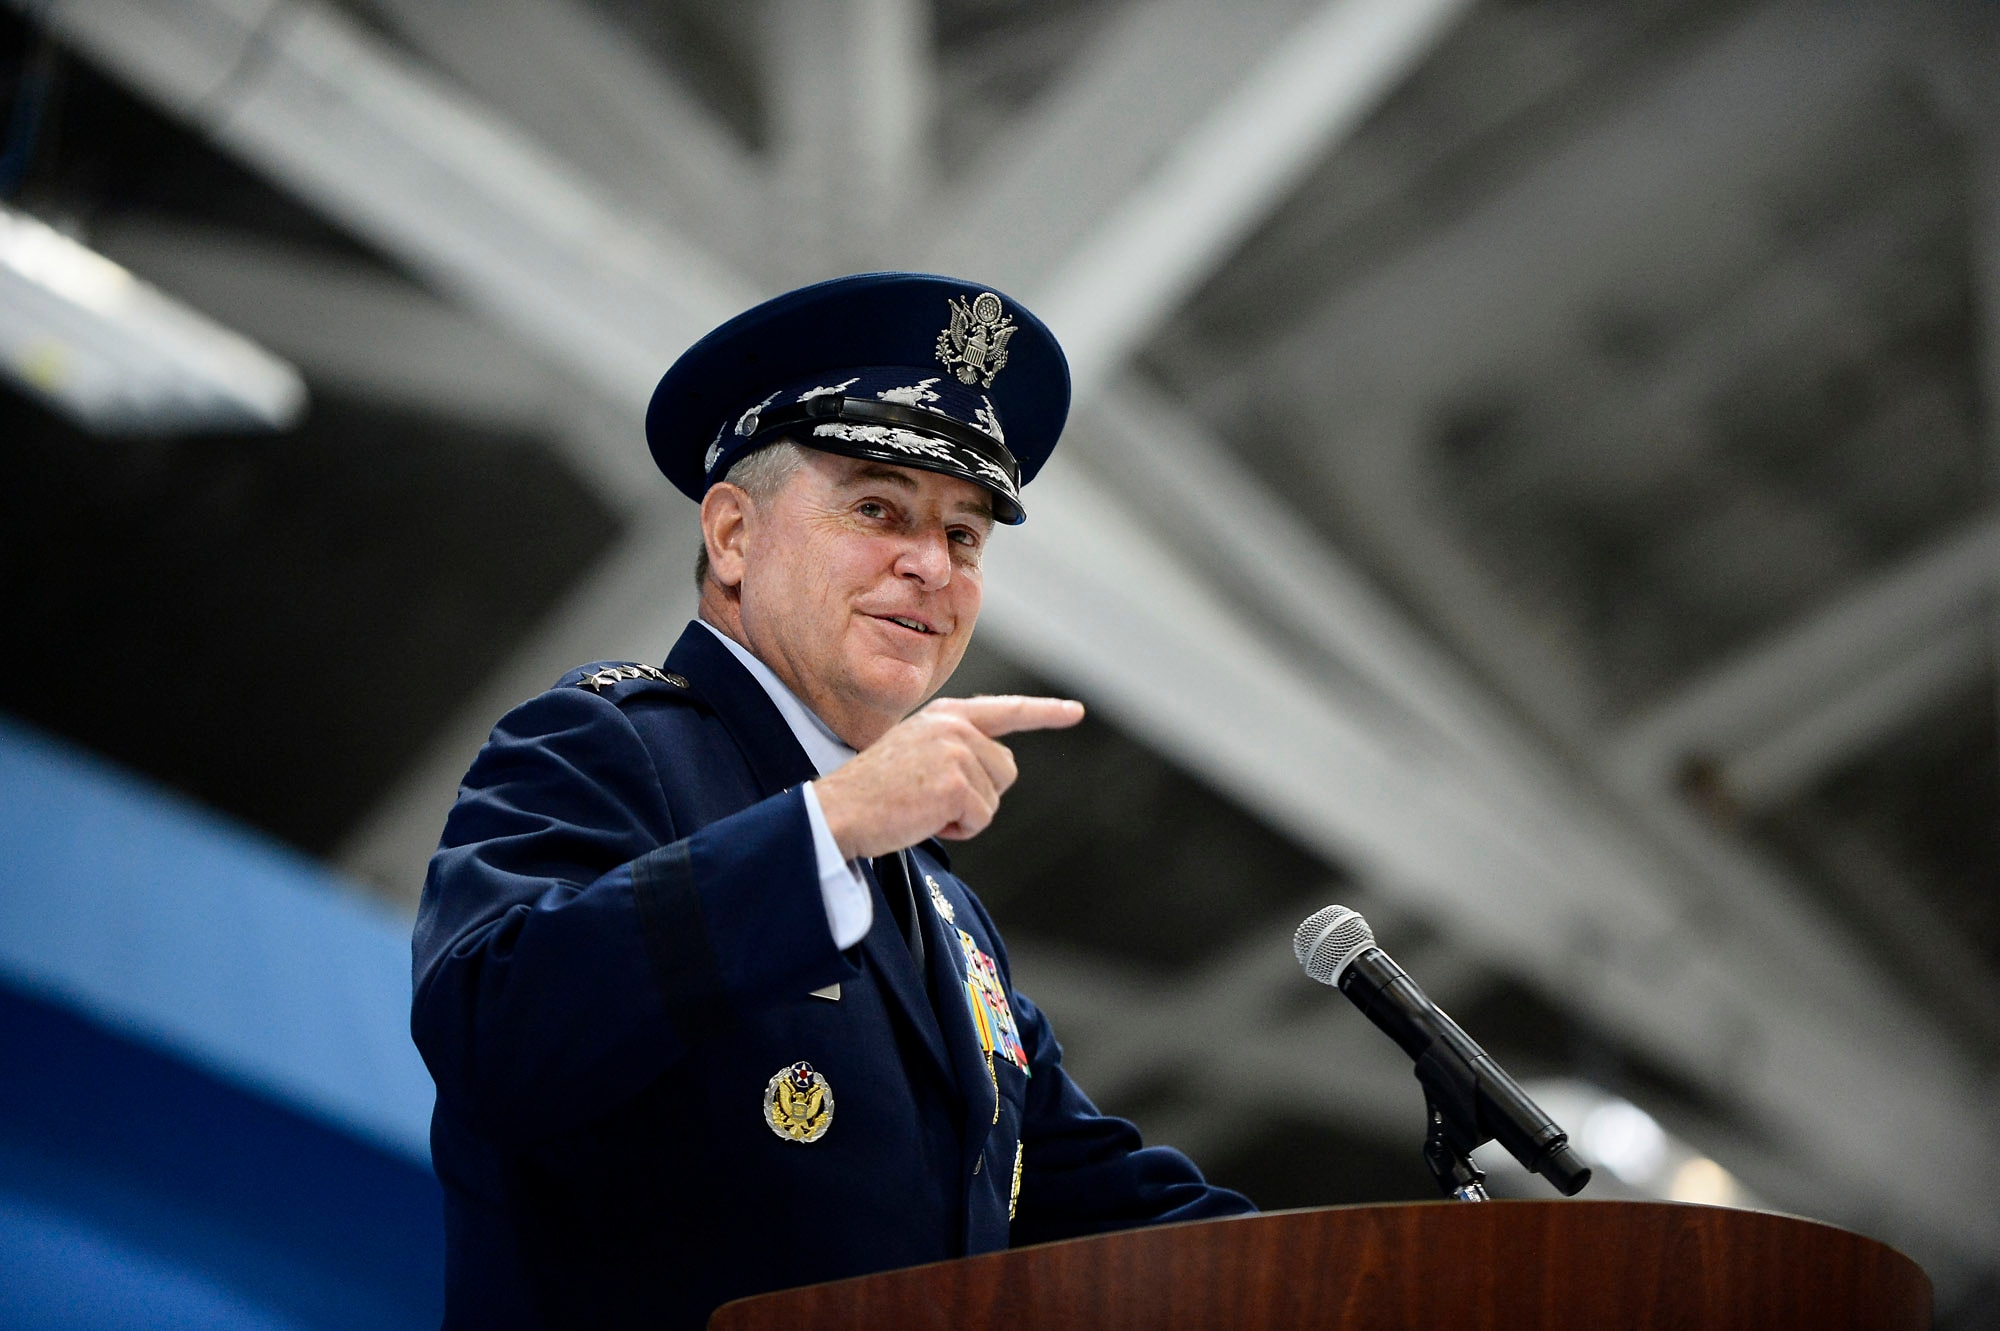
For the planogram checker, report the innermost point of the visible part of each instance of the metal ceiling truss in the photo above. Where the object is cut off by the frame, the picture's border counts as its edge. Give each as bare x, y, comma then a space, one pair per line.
1791, 707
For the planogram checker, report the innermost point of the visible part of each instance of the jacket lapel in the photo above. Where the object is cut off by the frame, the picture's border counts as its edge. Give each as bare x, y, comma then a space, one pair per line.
747, 712
947, 965
778, 763
890, 956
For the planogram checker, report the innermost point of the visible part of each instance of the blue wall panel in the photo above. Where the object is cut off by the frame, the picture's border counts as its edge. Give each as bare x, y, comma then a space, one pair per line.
130, 1180
162, 919
210, 1110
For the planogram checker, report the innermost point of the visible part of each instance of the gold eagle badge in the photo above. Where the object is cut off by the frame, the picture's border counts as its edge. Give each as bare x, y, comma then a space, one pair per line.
798, 1104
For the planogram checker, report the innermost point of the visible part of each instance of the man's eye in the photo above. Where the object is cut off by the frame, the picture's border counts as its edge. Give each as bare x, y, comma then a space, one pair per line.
965, 537
868, 508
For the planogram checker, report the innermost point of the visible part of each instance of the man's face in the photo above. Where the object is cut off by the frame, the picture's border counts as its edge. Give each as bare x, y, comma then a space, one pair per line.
861, 584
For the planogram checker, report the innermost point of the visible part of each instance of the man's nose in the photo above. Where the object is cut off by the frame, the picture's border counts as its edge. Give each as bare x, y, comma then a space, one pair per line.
926, 560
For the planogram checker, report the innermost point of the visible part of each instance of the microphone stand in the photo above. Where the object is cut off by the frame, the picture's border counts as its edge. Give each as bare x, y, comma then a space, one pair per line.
1457, 1177
1453, 1119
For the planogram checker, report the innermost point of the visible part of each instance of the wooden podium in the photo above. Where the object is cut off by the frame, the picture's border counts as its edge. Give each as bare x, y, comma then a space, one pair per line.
1438, 1266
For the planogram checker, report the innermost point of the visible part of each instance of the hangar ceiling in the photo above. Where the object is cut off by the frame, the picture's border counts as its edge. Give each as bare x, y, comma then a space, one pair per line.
1532, 481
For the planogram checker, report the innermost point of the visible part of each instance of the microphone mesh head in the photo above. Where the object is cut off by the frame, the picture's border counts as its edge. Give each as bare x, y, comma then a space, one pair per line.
1329, 939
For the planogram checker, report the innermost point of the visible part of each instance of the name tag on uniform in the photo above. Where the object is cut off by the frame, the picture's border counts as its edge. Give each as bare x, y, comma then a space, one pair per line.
831, 993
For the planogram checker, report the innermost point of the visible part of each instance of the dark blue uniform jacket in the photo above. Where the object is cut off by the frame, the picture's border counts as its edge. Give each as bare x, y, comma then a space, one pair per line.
616, 951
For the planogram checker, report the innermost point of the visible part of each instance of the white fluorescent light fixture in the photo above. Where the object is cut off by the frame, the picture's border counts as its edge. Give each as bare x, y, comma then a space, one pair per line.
119, 356
1634, 1155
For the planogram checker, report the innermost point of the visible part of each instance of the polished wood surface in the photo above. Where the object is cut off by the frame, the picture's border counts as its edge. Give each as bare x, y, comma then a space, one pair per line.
1443, 1266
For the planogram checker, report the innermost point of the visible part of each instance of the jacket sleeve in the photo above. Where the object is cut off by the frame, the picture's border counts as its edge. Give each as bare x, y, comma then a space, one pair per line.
572, 944
1084, 1171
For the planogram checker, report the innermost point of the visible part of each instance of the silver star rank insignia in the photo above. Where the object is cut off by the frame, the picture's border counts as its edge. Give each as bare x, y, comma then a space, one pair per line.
600, 680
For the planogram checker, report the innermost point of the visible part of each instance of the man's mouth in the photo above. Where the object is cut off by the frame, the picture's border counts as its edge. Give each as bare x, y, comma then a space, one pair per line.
914, 625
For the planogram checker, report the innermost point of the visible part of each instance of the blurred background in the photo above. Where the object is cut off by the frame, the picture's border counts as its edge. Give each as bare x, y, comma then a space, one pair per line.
1532, 481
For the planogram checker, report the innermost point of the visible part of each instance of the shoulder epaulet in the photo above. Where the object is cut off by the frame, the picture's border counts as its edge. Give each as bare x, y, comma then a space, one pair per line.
603, 676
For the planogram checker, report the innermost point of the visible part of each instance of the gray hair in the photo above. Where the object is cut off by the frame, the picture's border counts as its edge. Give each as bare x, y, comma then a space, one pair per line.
760, 473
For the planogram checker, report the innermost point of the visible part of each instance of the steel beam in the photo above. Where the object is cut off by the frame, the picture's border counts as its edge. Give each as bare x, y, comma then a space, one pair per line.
348, 324
1053, 174
1648, 201
1838, 655
588, 93
1106, 233
410, 164
1172, 228
1763, 771
352, 327
849, 84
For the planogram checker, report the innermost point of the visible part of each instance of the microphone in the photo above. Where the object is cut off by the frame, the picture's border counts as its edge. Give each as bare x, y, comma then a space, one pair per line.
1470, 1097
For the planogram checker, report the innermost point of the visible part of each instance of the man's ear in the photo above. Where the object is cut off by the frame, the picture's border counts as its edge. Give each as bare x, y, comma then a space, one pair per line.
725, 527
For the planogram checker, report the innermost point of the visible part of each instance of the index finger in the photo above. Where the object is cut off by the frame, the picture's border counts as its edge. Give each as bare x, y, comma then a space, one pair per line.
1003, 714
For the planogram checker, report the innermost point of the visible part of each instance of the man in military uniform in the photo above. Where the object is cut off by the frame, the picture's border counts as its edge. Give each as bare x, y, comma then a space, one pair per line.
708, 1012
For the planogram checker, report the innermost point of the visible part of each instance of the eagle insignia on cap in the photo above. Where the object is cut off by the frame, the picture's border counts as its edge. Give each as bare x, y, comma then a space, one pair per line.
974, 345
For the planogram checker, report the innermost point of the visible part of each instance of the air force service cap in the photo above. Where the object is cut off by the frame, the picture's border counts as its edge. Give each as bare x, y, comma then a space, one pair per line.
905, 368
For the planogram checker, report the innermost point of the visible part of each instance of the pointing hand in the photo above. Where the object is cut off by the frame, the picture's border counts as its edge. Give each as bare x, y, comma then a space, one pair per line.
939, 772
